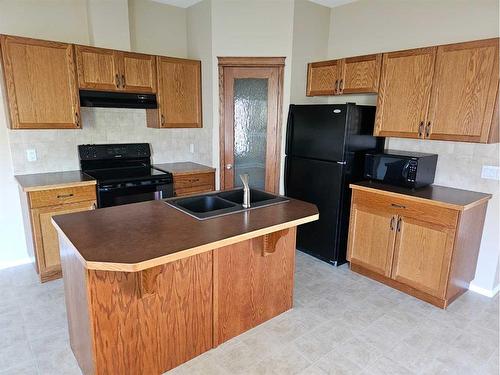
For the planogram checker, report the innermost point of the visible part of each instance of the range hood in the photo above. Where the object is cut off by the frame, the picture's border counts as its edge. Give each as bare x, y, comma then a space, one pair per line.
117, 100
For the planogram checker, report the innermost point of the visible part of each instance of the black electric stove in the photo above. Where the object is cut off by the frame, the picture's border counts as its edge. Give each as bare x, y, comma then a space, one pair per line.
124, 173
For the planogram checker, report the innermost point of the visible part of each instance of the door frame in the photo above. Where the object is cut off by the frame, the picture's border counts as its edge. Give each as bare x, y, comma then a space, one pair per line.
250, 62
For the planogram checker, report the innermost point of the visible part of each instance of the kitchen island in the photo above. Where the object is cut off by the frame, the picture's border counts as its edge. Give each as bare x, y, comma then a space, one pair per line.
149, 287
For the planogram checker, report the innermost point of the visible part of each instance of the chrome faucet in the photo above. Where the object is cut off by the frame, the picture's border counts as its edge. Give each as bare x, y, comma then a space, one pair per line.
246, 190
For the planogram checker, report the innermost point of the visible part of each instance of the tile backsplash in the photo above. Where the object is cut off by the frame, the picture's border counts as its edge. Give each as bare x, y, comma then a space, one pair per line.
57, 149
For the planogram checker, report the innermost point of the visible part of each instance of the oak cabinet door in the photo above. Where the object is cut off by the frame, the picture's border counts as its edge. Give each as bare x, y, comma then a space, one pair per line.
41, 84
422, 255
361, 74
371, 239
98, 69
323, 78
46, 240
138, 72
179, 93
464, 91
404, 93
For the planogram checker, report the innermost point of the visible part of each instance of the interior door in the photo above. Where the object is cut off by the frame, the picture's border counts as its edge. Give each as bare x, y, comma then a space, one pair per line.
98, 69
404, 93
463, 92
138, 72
371, 238
250, 112
422, 255
40, 80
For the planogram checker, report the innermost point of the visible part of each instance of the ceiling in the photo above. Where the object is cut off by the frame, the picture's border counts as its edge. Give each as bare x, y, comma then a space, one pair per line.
188, 3
333, 3
179, 3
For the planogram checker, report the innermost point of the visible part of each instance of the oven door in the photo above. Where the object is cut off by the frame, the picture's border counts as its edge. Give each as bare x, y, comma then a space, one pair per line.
131, 192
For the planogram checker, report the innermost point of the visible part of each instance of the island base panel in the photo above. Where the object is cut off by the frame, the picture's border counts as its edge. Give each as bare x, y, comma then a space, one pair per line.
254, 282
144, 322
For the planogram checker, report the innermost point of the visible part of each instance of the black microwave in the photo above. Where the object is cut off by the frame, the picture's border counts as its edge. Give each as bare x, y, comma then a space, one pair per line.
401, 168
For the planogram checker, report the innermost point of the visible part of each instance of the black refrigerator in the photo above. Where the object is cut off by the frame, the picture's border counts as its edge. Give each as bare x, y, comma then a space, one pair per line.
325, 148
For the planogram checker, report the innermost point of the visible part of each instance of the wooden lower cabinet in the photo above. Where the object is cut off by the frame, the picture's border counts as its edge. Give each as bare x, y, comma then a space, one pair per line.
424, 249
193, 183
40, 206
150, 321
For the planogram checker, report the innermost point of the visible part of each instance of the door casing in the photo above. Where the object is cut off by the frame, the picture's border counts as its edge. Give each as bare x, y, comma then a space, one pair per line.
278, 63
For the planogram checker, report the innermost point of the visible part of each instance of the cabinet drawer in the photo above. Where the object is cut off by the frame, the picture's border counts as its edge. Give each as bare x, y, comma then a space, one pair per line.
194, 190
431, 213
190, 180
52, 197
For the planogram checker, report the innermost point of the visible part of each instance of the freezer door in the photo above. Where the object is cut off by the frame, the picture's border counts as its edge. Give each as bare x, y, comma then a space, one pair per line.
317, 182
317, 131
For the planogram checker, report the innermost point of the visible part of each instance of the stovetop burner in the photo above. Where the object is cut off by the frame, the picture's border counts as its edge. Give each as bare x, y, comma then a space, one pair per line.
107, 175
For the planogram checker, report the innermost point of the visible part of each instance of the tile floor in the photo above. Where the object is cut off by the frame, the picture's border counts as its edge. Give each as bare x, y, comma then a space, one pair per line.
342, 323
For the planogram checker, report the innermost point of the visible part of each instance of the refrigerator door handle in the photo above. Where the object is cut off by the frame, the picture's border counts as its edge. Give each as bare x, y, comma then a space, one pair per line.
341, 162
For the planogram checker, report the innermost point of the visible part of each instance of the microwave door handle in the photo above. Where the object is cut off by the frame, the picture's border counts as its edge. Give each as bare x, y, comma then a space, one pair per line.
404, 172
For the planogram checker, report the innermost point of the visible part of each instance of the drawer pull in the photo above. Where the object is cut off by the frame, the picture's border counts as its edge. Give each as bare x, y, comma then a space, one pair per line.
62, 196
397, 205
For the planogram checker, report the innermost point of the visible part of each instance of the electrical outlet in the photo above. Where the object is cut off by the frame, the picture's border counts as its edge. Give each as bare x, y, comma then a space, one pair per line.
191, 148
490, 172
31, 154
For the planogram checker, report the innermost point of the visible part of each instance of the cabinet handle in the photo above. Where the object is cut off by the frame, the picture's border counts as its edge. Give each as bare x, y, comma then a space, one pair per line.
392, 222
421, 129
61, 196
117, 81
94, 206
77, 119
336, 86
162, 121
397, 205
341, 86
123, 80
398, 226
428, 130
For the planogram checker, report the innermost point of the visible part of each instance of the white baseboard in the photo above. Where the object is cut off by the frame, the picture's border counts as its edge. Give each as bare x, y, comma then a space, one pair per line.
485, 292
14, 263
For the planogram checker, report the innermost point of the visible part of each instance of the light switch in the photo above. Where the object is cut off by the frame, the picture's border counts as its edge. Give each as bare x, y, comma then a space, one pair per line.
490, 172
191, 148
31, 154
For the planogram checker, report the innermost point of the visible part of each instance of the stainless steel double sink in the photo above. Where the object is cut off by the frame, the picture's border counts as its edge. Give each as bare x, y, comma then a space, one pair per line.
216, 204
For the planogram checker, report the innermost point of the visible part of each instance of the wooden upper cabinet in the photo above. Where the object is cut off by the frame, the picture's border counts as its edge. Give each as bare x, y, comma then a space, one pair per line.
138, 72
404, 93
422, 255
98, 69
360, 74
109, 70
323, 78
371, 238
40, 79
464, 91
179, 94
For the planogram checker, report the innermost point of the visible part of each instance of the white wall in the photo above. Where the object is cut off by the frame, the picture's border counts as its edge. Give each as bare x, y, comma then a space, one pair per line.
252, 28
157, 28
311, 27
369, 26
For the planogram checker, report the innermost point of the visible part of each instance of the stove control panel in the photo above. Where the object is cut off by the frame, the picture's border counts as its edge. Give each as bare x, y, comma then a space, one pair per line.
114, 151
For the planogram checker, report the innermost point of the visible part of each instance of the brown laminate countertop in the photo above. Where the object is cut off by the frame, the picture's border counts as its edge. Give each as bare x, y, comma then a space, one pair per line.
53, 180
183, 168
138, 236
444, 196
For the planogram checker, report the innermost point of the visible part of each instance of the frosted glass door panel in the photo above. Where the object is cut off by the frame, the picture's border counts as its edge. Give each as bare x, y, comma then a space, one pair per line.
250, 130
